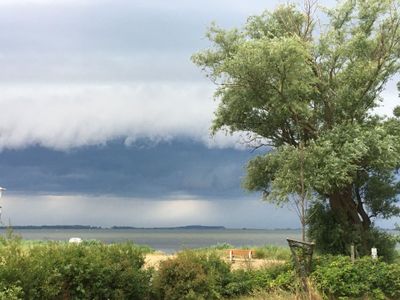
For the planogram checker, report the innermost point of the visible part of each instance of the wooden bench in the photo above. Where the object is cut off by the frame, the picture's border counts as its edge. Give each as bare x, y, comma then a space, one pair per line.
246, 254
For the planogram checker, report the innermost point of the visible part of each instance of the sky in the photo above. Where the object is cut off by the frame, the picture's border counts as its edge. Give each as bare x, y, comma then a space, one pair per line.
105, 120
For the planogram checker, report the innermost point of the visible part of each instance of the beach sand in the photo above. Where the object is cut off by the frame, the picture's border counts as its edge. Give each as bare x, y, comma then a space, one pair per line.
153, 260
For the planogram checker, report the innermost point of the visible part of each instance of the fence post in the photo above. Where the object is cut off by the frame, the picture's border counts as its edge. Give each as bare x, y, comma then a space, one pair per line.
352, 253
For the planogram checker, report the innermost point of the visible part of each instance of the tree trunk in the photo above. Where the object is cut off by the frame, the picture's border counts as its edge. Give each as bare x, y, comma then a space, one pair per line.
347, 205
361, 211
342, 204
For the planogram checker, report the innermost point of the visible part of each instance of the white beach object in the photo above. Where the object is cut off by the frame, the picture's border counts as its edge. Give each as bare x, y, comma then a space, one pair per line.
75, 240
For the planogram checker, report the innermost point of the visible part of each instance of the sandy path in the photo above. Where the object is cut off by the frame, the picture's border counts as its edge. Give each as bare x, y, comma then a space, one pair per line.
153, 260
255, 263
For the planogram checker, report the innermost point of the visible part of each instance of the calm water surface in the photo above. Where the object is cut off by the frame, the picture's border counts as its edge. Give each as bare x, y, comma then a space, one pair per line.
168, 240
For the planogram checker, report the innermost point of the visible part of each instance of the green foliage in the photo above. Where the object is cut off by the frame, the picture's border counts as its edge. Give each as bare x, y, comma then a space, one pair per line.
396, 111
338, 277
312, 95
287, 281
262, 252
191, 275
218, 248
384, 242
98, 271
221, 246
335, 237
245, 282
381, 195
103, 271
272, 252
11, 293
52, 270
36, 278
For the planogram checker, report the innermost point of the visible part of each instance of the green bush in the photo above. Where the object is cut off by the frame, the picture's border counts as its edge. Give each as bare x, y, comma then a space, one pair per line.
98, 271
55, 270
22, 271
191, 275
11, 293
333, 236
245, 282
337, 276
103, 271
384, 242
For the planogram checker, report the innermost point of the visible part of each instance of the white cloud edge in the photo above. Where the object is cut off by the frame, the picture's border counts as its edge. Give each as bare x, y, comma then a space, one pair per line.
62, 117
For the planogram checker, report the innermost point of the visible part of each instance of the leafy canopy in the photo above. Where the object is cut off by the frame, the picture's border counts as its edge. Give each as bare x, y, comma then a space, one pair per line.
309, 89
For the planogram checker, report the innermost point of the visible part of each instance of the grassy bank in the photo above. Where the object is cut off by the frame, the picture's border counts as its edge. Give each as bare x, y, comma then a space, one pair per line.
93, 270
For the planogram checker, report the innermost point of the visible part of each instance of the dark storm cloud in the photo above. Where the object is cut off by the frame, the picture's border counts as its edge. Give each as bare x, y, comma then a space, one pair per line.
77, 74
174, 169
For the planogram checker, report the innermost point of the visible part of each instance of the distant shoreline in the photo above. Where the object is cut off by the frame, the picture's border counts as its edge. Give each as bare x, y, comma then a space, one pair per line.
88, 227
112, 227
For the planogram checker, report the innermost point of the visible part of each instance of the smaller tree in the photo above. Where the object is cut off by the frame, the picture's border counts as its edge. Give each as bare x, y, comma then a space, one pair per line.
290, 187
301, 200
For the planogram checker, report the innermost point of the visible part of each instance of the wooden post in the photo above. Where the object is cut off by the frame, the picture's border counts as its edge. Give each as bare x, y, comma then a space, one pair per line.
352, 253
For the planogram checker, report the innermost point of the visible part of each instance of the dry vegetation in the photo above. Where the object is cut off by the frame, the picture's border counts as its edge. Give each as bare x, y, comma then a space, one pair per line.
153, 260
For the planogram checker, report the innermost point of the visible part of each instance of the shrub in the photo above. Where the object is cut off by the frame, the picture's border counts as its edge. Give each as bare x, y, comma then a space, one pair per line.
245, 282
11, 293
191, 275
339, 277
22, 273
103, 271
55, 270
384, 242
333, 236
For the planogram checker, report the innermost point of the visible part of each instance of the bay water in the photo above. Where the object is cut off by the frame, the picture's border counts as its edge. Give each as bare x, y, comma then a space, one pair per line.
167, 240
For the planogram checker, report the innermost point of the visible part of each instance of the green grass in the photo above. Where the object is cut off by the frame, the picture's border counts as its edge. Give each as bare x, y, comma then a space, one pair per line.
264, 252
29, 244
272, 252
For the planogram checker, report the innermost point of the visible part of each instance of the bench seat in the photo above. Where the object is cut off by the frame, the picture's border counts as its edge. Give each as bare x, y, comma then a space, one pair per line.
246, 254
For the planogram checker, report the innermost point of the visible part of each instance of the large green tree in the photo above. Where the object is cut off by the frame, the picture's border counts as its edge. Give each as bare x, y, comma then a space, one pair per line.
307, 88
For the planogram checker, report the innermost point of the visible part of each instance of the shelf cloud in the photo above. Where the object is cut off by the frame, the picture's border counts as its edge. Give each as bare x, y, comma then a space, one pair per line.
69, 116
82, 73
